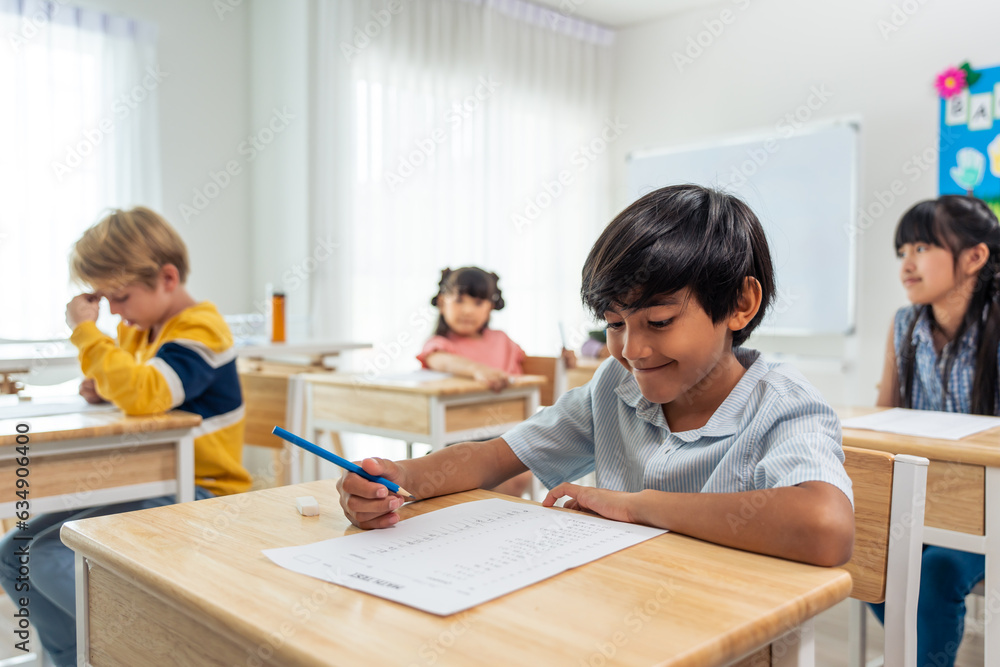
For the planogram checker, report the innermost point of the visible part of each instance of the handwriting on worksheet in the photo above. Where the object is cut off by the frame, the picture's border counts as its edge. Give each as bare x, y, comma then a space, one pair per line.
458, 557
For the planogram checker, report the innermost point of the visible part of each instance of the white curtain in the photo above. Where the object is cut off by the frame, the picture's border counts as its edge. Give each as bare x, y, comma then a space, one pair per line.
450, 133
79, 134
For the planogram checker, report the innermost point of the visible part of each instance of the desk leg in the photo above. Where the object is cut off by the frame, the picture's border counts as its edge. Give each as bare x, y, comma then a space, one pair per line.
796, 649
185, 469
296, 416
82, 611
991, 626
437, 417
857, 632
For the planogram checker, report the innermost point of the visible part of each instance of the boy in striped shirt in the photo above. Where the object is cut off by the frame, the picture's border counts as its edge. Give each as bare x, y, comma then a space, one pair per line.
684, 428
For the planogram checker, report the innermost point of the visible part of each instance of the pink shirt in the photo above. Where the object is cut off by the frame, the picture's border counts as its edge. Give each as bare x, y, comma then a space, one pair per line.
494, 348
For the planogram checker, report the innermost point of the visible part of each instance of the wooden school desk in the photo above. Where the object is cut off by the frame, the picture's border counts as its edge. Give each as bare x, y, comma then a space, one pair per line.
963, 500
437, 413
188, 585
19, 358
264, 371
97, 458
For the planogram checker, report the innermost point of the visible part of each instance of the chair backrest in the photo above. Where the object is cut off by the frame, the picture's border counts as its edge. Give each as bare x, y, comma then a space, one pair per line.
554, 370
889, 495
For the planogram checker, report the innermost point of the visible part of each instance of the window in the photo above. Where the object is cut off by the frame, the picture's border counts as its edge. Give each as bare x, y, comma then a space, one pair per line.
79, 135
470, 143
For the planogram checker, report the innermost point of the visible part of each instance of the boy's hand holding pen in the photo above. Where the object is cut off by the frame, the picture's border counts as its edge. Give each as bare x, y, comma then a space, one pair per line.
369, 504
370, 493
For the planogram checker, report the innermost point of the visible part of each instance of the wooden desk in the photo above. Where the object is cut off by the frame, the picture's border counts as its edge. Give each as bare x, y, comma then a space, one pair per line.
438, 413
25, 357
89, 459
188, 585
264, 371
274, 357
963, 500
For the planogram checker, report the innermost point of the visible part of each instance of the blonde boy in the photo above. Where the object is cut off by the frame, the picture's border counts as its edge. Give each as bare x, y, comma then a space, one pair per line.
172, 352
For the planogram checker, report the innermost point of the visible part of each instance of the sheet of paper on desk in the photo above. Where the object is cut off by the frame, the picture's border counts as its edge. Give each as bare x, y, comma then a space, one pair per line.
413, 377
49, 405
455, 558
924, 423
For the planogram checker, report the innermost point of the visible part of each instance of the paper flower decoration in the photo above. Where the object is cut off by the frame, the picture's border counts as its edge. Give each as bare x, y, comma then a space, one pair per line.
993, 150
954, 80
970, 169
951, 82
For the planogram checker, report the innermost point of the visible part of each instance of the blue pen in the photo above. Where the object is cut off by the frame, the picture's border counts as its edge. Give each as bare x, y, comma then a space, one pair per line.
333, 458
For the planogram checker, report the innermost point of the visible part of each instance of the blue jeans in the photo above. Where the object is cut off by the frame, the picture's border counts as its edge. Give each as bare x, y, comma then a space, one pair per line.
946, 577
52, 594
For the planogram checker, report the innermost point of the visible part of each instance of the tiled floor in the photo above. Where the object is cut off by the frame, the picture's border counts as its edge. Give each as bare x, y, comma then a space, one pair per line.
831, 638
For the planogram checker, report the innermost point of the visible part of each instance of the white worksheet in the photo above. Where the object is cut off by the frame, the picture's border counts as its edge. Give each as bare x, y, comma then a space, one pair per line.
412, 378
49, 405
455, 558
924, 423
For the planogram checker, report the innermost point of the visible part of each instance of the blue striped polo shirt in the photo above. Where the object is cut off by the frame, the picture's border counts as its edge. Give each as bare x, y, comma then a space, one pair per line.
774, 429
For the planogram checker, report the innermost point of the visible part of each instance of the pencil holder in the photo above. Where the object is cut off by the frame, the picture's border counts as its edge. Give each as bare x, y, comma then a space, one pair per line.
277, 317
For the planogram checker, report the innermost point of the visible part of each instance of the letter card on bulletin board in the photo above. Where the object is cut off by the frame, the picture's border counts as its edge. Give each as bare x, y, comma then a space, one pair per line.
969, 148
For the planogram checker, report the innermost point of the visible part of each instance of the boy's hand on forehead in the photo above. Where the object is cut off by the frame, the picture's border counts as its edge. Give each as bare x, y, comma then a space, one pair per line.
82, 308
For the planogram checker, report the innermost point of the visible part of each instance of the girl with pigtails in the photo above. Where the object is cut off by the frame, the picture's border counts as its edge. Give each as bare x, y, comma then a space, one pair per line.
942, 355
463, 343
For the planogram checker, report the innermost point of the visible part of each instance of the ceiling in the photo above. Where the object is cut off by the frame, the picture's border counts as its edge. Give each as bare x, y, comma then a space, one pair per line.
622, 13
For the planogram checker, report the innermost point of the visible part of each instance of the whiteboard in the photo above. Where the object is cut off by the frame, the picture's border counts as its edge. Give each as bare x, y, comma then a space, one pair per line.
803, 187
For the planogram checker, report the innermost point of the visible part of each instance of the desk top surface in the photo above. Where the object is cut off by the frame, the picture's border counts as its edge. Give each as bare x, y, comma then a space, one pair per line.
306, 347
76, 426
978, 449
27, 355
444, 387
670, 601
16, 357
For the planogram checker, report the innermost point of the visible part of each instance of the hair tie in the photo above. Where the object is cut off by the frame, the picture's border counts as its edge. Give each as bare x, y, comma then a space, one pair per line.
444, 276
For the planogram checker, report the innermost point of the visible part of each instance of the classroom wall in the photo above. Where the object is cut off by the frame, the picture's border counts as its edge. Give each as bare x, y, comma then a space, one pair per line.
282, 250
204, 117
761, 61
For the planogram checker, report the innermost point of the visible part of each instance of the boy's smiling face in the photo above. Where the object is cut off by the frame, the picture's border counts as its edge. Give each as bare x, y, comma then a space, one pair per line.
675, 351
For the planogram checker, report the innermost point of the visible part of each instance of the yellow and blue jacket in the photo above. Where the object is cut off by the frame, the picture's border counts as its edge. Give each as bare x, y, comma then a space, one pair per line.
190, 366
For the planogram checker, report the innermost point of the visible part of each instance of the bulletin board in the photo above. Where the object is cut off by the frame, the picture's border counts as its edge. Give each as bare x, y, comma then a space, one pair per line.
969, 140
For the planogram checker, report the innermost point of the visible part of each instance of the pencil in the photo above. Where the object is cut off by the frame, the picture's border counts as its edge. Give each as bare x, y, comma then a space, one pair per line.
342, 462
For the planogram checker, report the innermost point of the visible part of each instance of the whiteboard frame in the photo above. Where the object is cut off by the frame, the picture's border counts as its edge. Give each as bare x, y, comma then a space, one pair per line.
852, 122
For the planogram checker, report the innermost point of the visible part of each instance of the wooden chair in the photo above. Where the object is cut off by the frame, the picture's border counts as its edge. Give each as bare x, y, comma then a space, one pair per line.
889, 493
561, 379
554, 371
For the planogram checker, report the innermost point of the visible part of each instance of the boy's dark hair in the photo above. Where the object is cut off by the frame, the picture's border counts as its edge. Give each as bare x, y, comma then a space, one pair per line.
957, 222
467, 281
676, 237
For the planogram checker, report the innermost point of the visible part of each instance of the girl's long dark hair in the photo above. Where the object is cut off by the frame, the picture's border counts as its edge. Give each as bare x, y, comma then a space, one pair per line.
471, 281
957, 222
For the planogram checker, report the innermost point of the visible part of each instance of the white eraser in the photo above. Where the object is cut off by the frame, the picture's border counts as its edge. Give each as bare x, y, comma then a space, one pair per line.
307, 506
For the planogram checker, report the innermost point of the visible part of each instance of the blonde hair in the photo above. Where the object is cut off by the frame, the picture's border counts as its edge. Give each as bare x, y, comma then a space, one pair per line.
127, 247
